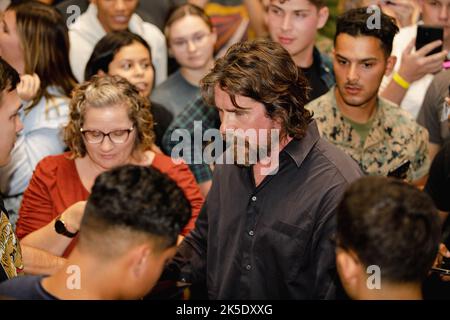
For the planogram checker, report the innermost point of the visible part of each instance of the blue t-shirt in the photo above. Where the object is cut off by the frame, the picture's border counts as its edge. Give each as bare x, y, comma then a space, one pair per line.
25, 288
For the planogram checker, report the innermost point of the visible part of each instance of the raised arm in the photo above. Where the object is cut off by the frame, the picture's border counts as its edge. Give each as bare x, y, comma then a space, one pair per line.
414, 66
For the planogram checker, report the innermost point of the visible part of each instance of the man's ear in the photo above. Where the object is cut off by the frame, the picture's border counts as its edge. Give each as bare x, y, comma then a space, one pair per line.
101, 73
349, 267
390, 64
139, 259
323, 13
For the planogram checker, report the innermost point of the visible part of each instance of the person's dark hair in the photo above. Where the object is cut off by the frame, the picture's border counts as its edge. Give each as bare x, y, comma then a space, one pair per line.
9, 78
355, 23
265, 72
108, 46
45, 41
137, 201
391, 224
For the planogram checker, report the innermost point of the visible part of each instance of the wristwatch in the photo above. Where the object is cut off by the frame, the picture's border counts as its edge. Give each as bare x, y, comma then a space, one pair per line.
60, 228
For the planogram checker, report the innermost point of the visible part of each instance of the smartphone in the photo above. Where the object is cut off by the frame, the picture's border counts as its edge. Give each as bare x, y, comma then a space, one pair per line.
427, 34
444, 268
401, 171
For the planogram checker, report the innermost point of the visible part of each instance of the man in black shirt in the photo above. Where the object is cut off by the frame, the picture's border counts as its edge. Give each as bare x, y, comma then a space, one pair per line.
264, 231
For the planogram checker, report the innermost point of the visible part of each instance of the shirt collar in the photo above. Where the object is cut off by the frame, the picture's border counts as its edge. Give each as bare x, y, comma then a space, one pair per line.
299, 149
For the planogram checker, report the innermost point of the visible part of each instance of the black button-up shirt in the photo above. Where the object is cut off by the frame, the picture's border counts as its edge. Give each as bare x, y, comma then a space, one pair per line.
272, 241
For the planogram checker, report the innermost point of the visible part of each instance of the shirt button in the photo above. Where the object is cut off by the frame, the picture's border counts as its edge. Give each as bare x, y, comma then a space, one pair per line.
254, 198
248, 267
251, 232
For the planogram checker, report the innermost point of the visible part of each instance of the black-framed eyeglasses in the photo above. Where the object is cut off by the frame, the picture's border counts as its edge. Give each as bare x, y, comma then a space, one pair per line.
115, 136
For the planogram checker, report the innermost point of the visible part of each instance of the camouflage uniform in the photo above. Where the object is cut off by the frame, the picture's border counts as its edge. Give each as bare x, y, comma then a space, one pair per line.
394, 138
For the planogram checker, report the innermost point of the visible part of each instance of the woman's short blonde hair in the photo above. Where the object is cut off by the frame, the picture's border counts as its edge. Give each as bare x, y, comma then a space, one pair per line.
107, 91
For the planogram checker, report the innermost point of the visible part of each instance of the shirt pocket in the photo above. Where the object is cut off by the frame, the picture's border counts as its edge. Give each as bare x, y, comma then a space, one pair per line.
288, 243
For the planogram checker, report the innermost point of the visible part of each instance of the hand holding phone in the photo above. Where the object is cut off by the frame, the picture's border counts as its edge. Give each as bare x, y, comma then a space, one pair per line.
443, 268
401, 171
429, 34
441, 264
416, 64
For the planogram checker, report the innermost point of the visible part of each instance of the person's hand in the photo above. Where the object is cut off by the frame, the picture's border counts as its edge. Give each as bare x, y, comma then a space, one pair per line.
28, 86
72, 216
442, 253
416, 65
404, 11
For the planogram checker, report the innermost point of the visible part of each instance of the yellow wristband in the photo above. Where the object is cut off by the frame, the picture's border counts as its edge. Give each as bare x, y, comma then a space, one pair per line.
400, 81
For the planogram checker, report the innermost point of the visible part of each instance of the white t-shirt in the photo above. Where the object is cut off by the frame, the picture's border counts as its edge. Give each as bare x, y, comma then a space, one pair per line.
86, 31
416, 93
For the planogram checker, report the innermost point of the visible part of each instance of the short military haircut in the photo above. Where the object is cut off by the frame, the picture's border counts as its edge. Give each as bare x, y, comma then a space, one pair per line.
355, 23
390, 224
133, 203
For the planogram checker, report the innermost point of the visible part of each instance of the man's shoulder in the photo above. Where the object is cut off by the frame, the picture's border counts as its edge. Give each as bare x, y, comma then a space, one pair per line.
339, 165
323, 109
395, 116
401, 130
322, 103
86, 29
147, 30
24, 288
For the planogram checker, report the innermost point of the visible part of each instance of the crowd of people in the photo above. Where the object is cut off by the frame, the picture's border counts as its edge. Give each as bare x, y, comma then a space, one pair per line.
213, 144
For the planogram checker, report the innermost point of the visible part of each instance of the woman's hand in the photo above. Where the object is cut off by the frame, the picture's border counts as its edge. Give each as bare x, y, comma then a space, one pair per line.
28, 86
72, 216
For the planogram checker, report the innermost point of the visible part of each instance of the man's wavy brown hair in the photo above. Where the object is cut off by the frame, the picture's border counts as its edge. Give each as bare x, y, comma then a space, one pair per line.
107, 91
265, 72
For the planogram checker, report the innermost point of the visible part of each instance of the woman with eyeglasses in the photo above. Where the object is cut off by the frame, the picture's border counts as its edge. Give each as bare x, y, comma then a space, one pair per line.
110, 125
128, 55
190, 38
